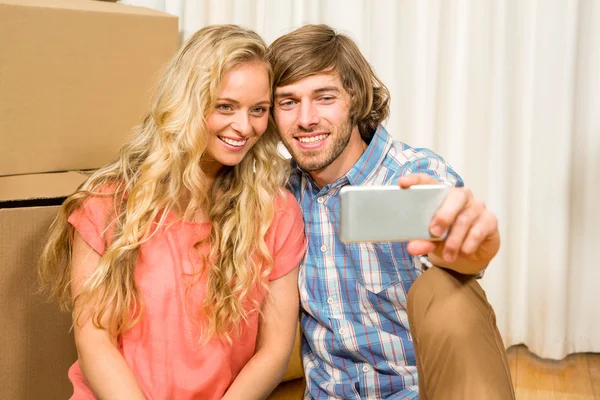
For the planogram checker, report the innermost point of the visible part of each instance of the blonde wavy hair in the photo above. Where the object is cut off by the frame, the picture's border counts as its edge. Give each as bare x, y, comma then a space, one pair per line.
159, 171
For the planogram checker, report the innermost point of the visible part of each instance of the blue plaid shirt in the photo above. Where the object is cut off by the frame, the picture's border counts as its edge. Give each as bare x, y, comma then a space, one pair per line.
357, 343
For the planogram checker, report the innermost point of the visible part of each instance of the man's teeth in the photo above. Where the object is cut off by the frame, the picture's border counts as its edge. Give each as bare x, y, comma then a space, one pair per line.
233, 142
312, 139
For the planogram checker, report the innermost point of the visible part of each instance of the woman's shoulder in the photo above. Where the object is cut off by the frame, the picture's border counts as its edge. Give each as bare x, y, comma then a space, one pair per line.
96, 215
103, 199
285, 204
287, 218
286, 237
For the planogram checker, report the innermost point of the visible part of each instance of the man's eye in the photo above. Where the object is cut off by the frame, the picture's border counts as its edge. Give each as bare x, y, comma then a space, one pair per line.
327, 99
286, 103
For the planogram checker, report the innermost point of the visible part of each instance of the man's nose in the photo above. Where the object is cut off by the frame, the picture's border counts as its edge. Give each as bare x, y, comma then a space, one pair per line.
309, 115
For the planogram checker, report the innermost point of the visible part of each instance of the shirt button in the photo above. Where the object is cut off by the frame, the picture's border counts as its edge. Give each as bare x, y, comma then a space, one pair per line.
330, 300
342, 331
323, 249
365, 368
320, 200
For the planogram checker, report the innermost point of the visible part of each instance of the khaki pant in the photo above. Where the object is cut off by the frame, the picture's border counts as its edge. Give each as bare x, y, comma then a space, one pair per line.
460, 354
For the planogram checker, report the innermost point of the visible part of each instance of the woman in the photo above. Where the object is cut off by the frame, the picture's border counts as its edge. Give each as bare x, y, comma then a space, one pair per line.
179, 258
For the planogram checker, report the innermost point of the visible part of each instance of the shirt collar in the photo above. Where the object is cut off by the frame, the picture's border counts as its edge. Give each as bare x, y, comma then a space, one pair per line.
372, 158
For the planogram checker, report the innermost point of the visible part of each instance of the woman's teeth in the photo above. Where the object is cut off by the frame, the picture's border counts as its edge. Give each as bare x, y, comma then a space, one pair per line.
237, 143
312, 139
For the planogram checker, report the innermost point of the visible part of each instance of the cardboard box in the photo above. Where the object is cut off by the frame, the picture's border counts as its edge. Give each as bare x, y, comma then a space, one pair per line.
289, 390
75, 77
35, 341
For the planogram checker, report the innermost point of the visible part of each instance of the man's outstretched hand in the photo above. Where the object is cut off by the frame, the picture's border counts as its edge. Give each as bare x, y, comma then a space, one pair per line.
473, 239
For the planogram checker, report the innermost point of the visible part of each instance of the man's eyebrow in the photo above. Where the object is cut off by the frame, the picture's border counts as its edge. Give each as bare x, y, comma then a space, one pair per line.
316, 91
283, 94
327, 89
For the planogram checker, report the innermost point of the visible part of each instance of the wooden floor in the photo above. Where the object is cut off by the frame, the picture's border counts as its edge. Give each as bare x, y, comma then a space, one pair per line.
575, 378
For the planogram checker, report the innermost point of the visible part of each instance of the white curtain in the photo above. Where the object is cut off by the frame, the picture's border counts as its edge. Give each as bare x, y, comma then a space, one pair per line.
509, 92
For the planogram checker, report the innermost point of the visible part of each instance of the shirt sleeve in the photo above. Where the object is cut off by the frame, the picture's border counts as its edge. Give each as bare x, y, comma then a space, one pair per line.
287, 236
428, 162
95, 221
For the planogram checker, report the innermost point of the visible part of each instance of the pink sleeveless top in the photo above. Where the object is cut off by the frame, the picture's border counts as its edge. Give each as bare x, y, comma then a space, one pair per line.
163, 350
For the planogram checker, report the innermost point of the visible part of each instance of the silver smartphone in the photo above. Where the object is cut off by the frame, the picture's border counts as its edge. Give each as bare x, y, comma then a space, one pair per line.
389, 213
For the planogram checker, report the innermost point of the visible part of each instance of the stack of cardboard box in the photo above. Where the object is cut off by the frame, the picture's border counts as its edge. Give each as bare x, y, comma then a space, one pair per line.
75, 77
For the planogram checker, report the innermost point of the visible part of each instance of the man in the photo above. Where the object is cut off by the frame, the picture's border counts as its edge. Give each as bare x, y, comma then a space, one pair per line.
374, 326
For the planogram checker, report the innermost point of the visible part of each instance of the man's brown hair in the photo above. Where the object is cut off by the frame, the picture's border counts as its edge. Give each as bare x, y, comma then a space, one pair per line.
314, 49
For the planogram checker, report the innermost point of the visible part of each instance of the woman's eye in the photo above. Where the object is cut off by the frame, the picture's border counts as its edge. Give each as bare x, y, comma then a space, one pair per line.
224, 107
259, 110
